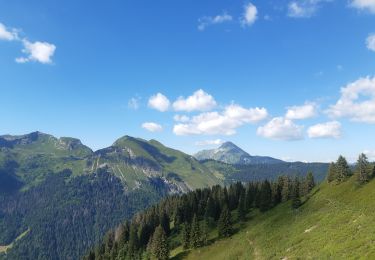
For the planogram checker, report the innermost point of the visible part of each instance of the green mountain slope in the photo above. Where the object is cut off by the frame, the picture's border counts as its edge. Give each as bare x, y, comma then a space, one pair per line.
134, 160
336, 222
67, 196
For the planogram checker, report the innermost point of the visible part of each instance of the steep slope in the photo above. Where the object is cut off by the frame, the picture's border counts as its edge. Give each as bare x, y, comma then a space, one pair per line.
134, 160
27, 159
232, 154
336, 222
66, 196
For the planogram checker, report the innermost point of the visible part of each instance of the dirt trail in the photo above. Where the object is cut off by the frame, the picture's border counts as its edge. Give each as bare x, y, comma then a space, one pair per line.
257, 254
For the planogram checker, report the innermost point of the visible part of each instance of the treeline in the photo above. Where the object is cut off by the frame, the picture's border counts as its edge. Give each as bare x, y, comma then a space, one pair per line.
340, 170
187, 220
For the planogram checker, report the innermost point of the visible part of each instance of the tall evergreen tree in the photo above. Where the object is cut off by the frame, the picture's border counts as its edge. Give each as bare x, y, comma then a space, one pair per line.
296, 199
133, 245
195, 236
332, 172
186, 230
342, 169
309, 183
210, 209
159, 244
164, 222
225, 224
249, 196
285, 192
241, 212
363, 169
265, 196
204, 232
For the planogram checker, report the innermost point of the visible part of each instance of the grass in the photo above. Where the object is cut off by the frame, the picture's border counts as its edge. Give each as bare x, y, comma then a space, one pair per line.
336, 222
4, 249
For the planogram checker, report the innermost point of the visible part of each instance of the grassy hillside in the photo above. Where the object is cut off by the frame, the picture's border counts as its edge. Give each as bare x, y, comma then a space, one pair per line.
336, 222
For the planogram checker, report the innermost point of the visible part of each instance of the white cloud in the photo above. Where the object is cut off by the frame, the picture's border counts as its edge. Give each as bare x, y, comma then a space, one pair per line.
368, 5
133, 103
152, 127
304, 8
370, 42
159, 102
37, 51
7, 34
199, 101
181, 118
250, 15
209, 142
280, 128
305, 111
206, 21
325, 130
357, 101
226, 122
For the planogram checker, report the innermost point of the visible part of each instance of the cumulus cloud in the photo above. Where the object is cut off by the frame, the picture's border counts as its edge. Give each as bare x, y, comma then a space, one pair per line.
37, 51
7, 34
181, 118
357, 101
305, 111
209, 142
280, 128
226, 122
250, 15
152, 127
159, 102
304, 8
199, 101
370, 42
366, 5
206, 21
325, 130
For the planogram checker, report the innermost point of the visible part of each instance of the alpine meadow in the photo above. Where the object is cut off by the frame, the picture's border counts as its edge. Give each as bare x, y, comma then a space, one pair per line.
155, 130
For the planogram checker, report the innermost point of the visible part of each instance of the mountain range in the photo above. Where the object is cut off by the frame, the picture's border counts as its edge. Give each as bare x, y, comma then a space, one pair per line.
58, 197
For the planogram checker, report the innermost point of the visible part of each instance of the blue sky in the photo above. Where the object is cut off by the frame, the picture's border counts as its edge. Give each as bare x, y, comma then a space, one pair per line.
266, 75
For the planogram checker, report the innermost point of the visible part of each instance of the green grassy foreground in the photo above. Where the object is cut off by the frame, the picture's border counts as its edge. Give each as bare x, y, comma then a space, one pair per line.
336, 222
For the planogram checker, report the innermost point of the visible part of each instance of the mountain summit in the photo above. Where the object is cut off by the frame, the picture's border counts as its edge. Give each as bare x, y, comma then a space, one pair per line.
230, 153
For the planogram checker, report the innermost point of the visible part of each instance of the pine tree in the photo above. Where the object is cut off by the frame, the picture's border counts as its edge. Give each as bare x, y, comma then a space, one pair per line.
342, 169
332, 172
195, 236
159, 246
122, 234
249, 202
210, 209
186, 230
296, 199
362, 169
164, 222
133, 245
265, 196
204, 232
224, 224
309, 183
241, 213
285, 192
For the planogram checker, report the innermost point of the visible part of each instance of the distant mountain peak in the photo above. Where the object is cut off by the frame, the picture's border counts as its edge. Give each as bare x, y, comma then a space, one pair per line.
230, 153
